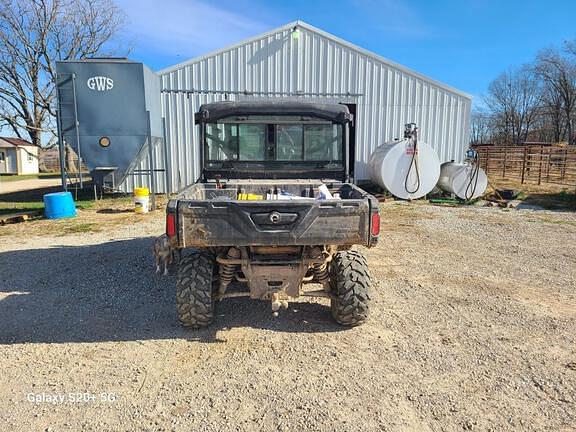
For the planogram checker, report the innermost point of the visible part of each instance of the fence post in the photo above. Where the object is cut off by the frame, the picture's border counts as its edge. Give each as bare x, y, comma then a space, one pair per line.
548, 164
523, 165
564, 162
540, 165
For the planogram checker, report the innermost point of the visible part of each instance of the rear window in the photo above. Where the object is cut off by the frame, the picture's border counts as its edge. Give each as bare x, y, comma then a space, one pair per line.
274, 142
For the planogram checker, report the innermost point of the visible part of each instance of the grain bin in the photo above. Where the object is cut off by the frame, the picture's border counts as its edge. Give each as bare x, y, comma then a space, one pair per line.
109, 112
408, 169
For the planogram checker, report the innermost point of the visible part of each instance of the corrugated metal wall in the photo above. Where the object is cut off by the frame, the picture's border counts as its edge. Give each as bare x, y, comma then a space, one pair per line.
313, 66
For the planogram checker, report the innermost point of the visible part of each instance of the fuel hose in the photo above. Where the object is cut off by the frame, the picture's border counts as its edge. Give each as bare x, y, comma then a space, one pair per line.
413, 165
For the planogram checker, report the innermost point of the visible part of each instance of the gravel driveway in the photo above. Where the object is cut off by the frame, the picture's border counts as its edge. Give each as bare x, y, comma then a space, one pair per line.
473, 327
7, 187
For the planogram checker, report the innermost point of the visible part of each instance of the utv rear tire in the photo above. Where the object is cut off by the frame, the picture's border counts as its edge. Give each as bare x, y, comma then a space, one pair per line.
350, 283
194, 290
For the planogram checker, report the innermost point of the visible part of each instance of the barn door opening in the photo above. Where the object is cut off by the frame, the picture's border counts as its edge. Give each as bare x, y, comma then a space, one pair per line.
352, 139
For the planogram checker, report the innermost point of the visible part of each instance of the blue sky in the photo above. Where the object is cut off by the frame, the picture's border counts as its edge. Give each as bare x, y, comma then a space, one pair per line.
463, 43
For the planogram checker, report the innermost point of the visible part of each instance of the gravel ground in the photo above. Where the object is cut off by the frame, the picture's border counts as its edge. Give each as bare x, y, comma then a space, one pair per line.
473, 327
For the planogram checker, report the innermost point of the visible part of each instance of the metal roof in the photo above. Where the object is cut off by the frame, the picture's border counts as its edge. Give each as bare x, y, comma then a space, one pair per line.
326, 35
17, 142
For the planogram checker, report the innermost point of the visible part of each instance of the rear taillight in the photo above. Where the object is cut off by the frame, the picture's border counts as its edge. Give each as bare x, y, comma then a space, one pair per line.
170, 224
375, 224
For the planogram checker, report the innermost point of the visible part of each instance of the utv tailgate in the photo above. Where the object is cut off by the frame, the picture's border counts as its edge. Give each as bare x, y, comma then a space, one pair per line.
205, 223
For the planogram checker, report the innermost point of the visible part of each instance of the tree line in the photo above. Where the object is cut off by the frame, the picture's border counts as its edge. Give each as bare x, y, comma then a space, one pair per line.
535, 102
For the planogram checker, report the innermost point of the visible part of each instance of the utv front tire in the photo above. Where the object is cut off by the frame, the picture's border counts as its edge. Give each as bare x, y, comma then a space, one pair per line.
194, 290
350, 283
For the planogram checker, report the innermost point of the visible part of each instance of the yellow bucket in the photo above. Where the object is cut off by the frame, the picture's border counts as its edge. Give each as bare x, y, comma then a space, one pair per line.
141, 200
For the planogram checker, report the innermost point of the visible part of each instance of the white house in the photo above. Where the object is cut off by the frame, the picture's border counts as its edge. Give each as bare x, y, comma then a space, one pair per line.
18, 156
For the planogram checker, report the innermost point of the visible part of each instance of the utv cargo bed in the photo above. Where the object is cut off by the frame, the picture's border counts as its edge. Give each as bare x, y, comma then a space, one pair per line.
208, 216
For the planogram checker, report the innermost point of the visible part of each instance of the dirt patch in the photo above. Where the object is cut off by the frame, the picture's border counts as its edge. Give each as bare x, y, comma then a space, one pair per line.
473, 327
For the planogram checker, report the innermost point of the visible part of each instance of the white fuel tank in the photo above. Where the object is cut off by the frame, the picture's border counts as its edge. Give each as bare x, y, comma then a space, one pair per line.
463, 180
392, 168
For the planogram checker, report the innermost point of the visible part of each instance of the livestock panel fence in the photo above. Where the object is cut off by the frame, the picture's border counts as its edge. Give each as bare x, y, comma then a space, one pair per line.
539, 164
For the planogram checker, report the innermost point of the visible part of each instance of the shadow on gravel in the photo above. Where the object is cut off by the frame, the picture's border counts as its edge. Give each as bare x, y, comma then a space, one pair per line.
561, 201
29, 195
109, 292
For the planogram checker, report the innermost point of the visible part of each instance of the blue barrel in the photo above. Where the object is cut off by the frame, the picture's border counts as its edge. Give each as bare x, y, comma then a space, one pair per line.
59, 205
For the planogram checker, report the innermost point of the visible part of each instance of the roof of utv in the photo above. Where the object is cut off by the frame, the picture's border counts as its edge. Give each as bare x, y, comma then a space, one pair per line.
214, 111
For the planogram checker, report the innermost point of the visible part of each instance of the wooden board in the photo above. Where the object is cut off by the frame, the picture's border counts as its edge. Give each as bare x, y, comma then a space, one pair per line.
20, 216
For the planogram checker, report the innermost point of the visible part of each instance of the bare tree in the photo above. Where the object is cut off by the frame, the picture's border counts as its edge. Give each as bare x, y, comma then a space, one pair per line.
480, 127
514, 100
570, 47
553, 122
558, 74
34, 34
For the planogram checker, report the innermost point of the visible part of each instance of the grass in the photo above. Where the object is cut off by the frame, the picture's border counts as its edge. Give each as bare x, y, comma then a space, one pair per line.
29, 200
16, 207
97, 216
110, 212
562, 200
74, 227
9, 207
552, 197
82, 224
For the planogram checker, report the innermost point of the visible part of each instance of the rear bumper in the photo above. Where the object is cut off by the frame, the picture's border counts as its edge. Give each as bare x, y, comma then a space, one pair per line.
250, 223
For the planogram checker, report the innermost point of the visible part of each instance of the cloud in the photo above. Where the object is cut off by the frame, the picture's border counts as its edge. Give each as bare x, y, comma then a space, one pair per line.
184, 28
169, 32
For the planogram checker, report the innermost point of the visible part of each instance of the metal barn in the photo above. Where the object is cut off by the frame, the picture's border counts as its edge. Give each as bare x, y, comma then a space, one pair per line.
301, 61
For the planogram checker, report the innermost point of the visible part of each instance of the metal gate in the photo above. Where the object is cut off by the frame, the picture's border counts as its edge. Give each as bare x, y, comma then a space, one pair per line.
553, 164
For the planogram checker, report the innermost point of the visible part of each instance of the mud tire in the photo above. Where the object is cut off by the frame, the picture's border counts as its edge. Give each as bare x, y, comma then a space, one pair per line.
350, 286
194, 290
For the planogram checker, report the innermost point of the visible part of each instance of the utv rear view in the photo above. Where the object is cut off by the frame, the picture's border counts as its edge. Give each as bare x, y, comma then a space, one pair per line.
273, 212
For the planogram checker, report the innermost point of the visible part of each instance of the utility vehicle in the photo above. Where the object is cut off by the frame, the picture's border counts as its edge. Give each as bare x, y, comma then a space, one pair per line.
274, 210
